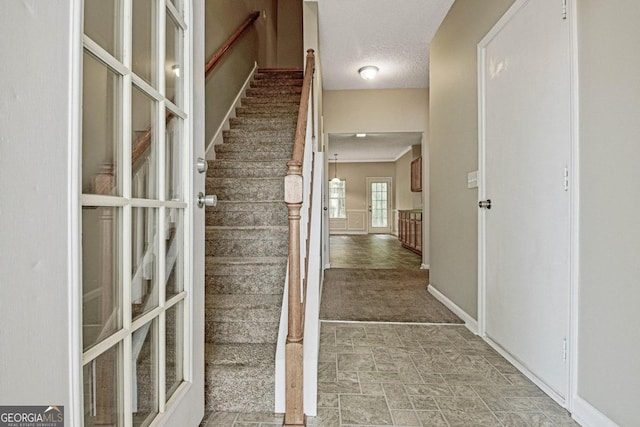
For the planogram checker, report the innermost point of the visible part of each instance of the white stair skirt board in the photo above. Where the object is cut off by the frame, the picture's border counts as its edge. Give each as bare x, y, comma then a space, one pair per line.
469, 322
217, 137
424, 266
588, 416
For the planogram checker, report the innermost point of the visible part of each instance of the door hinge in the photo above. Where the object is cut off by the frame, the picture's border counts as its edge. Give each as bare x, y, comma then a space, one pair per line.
566, 178
564, 350
564, 9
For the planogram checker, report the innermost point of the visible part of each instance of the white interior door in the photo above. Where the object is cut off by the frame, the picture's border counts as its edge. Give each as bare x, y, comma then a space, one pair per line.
525, 123
379, 205
141, 347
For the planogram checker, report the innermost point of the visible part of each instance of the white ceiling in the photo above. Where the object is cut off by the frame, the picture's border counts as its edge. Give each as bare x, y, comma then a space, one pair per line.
375, 147
393, 35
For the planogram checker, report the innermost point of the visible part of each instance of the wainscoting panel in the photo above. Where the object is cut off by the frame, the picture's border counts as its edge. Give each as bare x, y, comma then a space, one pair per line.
354, 223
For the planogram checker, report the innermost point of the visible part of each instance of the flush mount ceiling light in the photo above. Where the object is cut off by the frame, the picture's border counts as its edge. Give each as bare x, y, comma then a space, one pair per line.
361, 135
369, 72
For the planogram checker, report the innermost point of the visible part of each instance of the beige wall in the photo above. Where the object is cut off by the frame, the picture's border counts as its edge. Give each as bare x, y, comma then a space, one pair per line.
356, 175
453, 120
609, 341
386, 110
290, 49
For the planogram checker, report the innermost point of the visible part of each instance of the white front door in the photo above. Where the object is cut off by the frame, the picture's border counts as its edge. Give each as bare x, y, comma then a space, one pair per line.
379, 205
141, 354
525, 149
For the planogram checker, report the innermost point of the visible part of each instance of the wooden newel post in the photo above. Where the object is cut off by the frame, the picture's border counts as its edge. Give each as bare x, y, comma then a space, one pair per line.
294, 415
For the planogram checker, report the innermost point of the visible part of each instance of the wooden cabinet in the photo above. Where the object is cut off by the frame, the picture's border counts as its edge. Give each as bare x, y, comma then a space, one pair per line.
416, 175
410, 230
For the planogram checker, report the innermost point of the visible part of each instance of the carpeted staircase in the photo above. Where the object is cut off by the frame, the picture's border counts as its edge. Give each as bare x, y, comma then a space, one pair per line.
247, 244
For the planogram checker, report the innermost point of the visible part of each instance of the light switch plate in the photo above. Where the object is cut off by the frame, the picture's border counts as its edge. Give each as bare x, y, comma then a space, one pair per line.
472, 179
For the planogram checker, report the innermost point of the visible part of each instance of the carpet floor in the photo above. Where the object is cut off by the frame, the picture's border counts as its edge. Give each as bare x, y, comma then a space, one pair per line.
391, 295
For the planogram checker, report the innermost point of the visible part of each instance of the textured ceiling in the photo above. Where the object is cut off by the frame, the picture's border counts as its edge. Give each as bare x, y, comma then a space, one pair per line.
375, 147
393, 35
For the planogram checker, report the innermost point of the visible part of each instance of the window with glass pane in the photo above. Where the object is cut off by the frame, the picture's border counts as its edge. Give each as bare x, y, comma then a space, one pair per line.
175, 255
173, 156
100, 128
102, 24
174, 348
101, 280
174, 67
337, 199
144, 168
144, 51
144, 254
102, 386
144, 344
379, 203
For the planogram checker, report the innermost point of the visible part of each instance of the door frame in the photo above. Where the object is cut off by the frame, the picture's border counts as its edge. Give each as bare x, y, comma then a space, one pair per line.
572, 339
388, 179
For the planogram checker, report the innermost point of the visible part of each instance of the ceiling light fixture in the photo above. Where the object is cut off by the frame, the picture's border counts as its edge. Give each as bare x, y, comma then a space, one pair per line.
335, 169
361, 135
368, 72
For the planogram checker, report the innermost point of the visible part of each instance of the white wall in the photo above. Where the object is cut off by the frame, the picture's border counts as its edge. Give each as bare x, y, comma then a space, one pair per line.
36, 208
609, 290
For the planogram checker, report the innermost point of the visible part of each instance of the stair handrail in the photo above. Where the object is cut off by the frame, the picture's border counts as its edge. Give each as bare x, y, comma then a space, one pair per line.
294, 195
233, 38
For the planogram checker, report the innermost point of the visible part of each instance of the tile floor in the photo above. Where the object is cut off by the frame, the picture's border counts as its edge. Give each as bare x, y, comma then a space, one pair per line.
373, 374
371, 251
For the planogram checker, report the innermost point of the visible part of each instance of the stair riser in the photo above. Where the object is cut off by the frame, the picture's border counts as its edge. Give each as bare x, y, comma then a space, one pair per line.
263, 124
274, 153
244, 284
240, 396
258, 315
244, 219
276, 83
271, 92
294, 74
244, 189
240, 332
249, 172
261, 134
291, 100
267, 114
246, 248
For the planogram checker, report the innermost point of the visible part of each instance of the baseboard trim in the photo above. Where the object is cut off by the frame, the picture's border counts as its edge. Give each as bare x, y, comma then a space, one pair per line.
527, 373
469, 322
389, 323
217, 137
346, 232
588, 416
425, 266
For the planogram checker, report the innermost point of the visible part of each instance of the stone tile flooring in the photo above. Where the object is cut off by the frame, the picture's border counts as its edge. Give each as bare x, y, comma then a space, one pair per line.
371, 251
373, 374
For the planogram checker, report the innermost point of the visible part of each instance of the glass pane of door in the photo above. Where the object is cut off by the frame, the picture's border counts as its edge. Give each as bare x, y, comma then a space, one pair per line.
379, 205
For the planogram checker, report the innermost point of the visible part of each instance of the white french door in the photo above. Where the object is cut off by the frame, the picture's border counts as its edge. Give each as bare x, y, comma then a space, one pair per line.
138, 218
379, 205
525, 161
